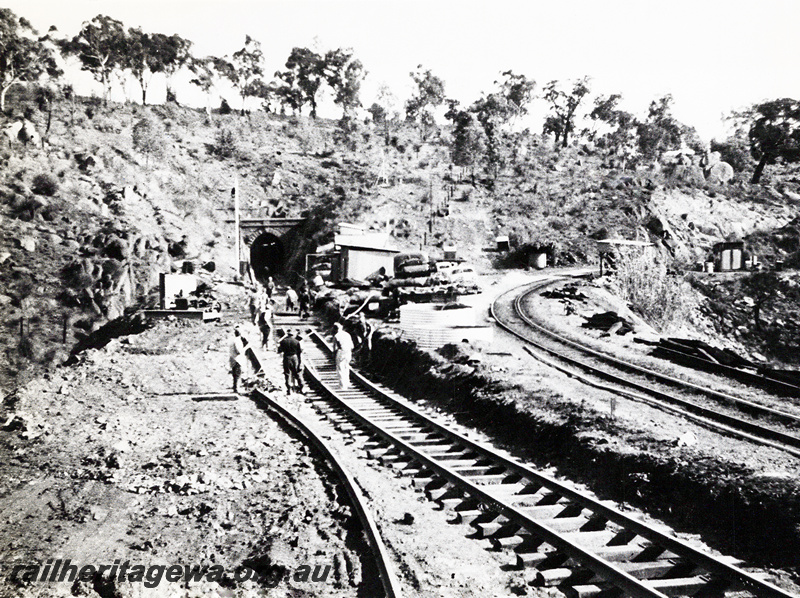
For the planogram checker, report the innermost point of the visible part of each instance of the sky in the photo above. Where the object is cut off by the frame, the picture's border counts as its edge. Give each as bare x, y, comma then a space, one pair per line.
713, 56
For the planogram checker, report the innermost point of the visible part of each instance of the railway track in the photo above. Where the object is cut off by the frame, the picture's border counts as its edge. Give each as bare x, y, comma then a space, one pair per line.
389, 581
509, 313
569, 539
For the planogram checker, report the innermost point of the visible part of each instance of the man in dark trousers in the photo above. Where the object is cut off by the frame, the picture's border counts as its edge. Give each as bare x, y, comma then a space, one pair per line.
292, 361
305, 302
237, 356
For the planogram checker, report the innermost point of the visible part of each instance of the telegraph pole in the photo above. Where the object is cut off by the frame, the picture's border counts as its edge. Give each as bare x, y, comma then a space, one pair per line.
236, 224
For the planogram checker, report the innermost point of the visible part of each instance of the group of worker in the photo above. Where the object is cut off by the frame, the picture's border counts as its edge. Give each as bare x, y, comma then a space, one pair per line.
299, 301
290, 345
262, 310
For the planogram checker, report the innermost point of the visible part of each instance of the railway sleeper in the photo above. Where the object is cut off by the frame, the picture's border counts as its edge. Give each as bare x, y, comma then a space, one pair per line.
425, 480
399, 464
466, 511
377, 442
590, 540
415, 469
443, 490
530, 559
562, 576
389, 418
374, 453
459, 463
377, 412
343, 420
502, 542
449, 504
326, 413
331, 411
478, 469
555, 571
352, 392
367, 399
455, 460
423, 439
492, 479
500, 527
661, 568
339, 418
365, 396
567, 524
549, 511
393, 456
448, 450
532, 496
640, 551
683, 586
344, 427
522, 489
401, 427
468, 504
548, 497
469, 516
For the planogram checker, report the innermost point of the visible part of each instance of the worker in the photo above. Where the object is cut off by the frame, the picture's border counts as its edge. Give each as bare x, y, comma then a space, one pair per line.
304, 301
291, 300
363, 332
292, 361
343, 354
253, 304
238, 360
270, 287
265, 323
261, 302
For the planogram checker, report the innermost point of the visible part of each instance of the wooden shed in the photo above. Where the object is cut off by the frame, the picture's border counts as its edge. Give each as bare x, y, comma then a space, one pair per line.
728, 256
363, 255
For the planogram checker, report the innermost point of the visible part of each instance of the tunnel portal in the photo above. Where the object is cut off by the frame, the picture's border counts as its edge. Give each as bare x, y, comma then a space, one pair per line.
267, 256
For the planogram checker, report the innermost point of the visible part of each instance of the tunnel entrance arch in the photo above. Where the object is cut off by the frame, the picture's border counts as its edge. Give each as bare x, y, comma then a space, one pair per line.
270, 245
267, 256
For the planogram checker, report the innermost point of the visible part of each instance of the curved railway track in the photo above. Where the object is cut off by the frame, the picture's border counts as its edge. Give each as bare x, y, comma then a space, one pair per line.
574, 542
391, 586
619, 373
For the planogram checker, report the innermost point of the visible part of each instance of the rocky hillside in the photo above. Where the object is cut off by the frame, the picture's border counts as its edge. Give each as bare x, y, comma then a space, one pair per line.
112, 196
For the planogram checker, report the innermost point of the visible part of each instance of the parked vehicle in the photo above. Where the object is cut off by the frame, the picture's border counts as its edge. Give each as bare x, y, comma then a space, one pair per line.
463, 274
407, 265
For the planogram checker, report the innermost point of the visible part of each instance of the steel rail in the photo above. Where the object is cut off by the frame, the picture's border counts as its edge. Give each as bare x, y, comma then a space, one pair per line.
711, 424
744, 403
389, 580
742, 375
752, 431
604, 569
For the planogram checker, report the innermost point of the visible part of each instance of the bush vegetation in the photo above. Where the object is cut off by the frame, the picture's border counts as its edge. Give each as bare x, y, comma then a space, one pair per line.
44, 184
643, 281
224, 145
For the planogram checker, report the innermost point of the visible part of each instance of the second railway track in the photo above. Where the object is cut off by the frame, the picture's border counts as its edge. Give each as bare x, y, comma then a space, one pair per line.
508, 311
574, 542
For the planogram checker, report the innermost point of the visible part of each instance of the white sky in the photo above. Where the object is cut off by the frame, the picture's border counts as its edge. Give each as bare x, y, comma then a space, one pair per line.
712, 55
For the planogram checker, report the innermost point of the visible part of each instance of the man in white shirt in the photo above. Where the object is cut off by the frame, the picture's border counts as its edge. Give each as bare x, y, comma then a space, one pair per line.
343, 353
291, 299
237, 357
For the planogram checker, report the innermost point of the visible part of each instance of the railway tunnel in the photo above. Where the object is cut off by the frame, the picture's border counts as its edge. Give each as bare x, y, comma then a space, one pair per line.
271, 245
267, 256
